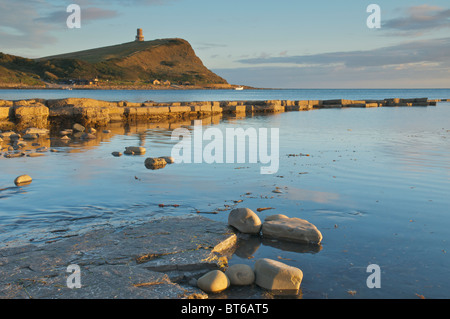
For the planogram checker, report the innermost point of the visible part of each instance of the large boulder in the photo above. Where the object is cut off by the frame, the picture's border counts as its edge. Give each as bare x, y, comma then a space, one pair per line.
240, 275
245, 220
213, 281
274, 275
291, 229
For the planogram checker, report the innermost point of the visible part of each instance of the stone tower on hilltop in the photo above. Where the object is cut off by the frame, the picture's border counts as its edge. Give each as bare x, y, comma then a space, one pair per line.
139, 35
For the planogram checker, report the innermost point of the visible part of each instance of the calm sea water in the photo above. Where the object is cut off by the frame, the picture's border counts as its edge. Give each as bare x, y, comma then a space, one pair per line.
222, 95
376, 184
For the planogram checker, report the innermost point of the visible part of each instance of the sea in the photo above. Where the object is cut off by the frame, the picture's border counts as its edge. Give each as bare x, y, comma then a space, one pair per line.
375, 182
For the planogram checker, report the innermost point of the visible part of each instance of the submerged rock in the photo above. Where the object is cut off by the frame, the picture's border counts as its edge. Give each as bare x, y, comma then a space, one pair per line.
35, 154
34, 130
13, 155
274, 275
244, 220
116, 154
30, 136
88, 136
155, 163
135, 150
213, 281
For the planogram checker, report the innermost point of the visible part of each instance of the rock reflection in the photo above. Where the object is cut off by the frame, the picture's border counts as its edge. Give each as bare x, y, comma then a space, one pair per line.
247, 246
292, 247
63, 138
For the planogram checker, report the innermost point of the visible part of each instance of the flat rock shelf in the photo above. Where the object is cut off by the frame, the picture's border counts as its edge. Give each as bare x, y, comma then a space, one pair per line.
152, 260
41, 113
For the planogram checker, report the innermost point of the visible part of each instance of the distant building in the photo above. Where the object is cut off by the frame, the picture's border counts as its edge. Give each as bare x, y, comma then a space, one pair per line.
166, 82
156, 82
94, 81
139, 35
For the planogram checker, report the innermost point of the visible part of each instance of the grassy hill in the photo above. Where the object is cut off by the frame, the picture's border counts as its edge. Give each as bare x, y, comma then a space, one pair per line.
132, 63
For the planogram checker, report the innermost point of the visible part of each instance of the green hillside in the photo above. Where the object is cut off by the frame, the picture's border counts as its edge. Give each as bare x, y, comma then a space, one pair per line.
133, 62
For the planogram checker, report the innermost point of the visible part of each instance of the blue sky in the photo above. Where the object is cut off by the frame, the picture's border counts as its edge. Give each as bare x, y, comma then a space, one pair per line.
284, 43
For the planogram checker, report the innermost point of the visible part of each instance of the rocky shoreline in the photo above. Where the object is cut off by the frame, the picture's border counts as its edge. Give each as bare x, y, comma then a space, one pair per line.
170, 258
42, 113
158, 259
152, 260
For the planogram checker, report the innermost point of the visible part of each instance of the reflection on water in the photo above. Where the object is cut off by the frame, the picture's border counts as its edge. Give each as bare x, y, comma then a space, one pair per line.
376, 185
310, 195
248, 245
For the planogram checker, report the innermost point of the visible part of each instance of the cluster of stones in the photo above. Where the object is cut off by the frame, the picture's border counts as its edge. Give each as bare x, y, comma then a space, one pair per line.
15, 144
78, 131
152, 163
97, 112
267, 273
275, 226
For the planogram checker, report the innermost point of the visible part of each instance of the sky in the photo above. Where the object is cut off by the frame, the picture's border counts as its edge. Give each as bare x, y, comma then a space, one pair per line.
261, 43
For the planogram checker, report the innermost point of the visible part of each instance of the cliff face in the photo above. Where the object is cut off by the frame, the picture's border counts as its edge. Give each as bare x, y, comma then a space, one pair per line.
133, 62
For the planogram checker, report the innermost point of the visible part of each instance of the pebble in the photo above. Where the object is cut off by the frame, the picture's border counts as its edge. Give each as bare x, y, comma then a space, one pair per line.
274, 275
213, 281
78, 127
22, 180
240, 275
245, 220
